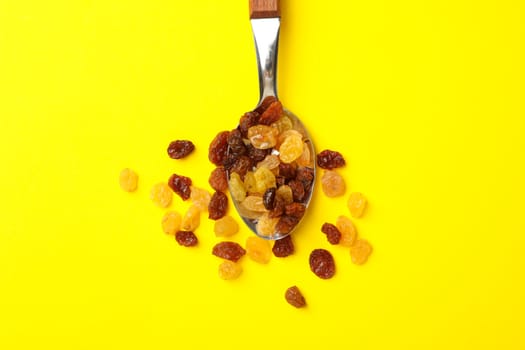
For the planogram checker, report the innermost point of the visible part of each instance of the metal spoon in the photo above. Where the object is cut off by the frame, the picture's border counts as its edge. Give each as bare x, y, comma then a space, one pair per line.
265, 21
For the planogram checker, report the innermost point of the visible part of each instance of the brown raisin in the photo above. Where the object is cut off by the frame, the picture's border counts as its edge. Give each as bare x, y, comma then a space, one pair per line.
236, 145
278, 207
332, 233
241, 166
218, 205
248, 120
297, 190
283, 247
269, 198
295, 210
181, 185
256, 154
180, 148
272, 113
228, 250
328, 159
306, 176
268, 100
219, 148
218, 179
322, 263
294, 297
280, 180
286, 224
288, 171
186, 238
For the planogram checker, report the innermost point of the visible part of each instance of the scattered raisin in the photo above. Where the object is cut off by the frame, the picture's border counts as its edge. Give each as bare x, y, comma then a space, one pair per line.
218, 179
218, 205
272, 113
283, 247
258, 249
294, 297
328, 159
181, 185
297, 190
322, 263
356, 204
128, 180
218, 148
269, 198
228, 250
200, 198
180, 148
171, 222
186, 238
225, 227
228, 270
333, 184
332, 233
161, 195
191, 219
360, 251
348, 231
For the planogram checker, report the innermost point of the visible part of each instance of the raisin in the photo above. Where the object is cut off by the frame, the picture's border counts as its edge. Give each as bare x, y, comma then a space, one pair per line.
171, 222
305, 175
297, 190
258, 249
268, 100
294, 297
271, 162
347, 229
295, 210
279, 180
264, 179
288, 171
236, 145
283, 124
360, 251
356, 204
272, 113
328, 159
128, 180
161, 195
228, 250
236, 185
283, 247
186, 238
180, 148
241, 166
218, 148
256, 154
191, 219
291, 148
286, 224
332, 233
305, 159
285, 193
225, 227
218, 179
266, 225
228, 270
250, 182
218, 205
278, 208
333, 184
248, 120
322, 263
181, 185
269, 198
263, 136
200, 198
254, 203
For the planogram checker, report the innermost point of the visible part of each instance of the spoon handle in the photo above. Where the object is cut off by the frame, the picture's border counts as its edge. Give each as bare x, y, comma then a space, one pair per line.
264, 9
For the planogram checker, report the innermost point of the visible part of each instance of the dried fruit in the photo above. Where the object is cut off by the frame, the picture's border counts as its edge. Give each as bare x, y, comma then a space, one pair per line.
264, 179
181, 185
254, 203
228, 250
266, 225
248, 120
180, 148
322, 263
225, 227
328, 159
272, 113
218, 205
295, 210
250, 184
333, 184
229, 270
306, 157
294, 297
306, 176
262, 136
256, 154
241, 166
218, 148
347, 229
356, 204
332, 233
237, 190
128, 180
268, 100
298, 191
289, 171
200, 198
283, 247
360, 251
191, 219
258, 249
271, 162
291, 148
186, 238
269, 198
161, 195
218, 179
171, 222
286, 224
236, 145
283, 124
285, 193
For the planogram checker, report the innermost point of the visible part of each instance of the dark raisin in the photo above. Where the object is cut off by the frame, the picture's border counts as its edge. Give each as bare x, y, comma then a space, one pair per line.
294, 297
305, 175
180, 185
332, 233
297, 190
283, 247
218, 205
289, 171
295, 210
241, 166
248, 120
278, 208
256, 154
280, 180
186, 238
272, 113
218, 179
268, 100
328, 159
286, 224
322, 263
218, 148
180, 148
236, 145
269, 198
228, 250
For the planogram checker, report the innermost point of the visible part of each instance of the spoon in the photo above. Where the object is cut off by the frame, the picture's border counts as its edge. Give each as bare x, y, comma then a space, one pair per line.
268, 224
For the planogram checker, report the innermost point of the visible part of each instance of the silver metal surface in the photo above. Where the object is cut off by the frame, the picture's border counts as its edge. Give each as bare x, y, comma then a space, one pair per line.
266, 37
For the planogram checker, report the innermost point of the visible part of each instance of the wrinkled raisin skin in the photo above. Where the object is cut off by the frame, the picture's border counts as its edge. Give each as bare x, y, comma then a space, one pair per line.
322, 263
248, 120
218, 179
228, 250
298, 191
236, 145
295, 210
268, 100
272, 113
241, 166
294, 297
286, 224
269, 198
180, 148
219, 148
218, 205
288, 171
332, 233
328, 159
186, 238
180, 185
283, 247
256, 154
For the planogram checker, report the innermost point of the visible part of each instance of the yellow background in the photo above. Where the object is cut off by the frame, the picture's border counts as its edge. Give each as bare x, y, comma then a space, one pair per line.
423, 98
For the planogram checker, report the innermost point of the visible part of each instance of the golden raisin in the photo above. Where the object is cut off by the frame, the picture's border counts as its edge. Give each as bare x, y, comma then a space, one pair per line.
360, 251
128, 180
347, 229
229, 270
264, 179
285, 193
333, 184
306, 158
237, 190
254, 203
171, 222
258, 249
191, 219
291, 148
356, 204
250, 182
283, 124
266, 225
161, 194
200, 198
262, 136
225, 227
271, 162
